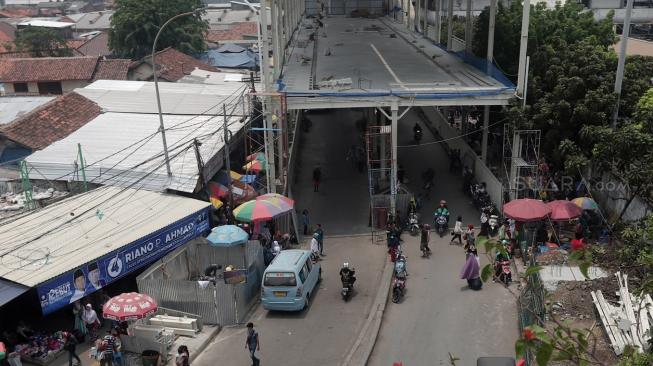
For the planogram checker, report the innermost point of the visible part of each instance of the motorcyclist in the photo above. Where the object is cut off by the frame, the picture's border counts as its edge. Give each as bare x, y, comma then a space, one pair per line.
442, 211
424, 239
500, 257
347, 275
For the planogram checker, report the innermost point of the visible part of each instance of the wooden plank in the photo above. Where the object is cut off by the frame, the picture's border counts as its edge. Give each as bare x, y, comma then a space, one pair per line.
604, 320
611, 312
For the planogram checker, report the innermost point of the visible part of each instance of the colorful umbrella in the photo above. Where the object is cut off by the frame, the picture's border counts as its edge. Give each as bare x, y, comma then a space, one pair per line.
562, 210
256, 156
129, 306
275, 197
218, 190
255, 166
526, 210
585, 203
258, 210
227, 236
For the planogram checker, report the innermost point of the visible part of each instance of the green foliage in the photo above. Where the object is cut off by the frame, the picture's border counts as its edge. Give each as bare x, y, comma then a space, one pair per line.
643, 115
42, 42
135, 23
636, 359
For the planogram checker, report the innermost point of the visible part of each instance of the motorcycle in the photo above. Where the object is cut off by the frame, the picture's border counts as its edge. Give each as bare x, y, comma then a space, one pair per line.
413, 224
347, 285
399, 280
494, 224
504, 272
441, 224
480, 198
418, 136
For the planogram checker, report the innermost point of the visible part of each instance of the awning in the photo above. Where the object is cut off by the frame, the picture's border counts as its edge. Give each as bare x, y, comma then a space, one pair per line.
10, 291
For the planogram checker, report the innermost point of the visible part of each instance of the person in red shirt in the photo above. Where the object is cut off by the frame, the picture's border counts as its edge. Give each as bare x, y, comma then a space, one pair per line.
578, 242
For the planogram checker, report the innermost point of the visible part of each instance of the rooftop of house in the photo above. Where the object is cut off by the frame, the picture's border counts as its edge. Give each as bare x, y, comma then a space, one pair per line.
59, 68
173, 65
94, 20
52, 121
112, 70
46, 24
14, 107
91, 45
232, 32
7, 36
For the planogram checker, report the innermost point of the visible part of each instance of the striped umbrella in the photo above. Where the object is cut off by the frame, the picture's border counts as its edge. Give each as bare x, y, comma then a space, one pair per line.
256, 166
585, 203
259, 210
276, 197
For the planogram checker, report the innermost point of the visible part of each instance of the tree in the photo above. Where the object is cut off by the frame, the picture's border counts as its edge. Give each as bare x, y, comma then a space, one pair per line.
42, 42
135, 23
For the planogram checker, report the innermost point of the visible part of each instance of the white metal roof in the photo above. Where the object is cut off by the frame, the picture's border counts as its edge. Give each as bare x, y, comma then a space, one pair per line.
46, 23
14, 107
109, 133
44, 244
176, 98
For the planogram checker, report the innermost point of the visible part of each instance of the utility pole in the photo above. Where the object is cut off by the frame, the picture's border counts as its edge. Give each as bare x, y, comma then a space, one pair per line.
27, 186
622, 61
489, 58
226, 155
523, 46
82, 165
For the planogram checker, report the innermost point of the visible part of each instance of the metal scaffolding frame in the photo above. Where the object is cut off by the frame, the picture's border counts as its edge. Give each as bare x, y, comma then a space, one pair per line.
521, 154
378, 141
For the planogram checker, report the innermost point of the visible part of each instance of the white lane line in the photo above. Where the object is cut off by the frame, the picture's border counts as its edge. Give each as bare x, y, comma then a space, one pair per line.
387, 66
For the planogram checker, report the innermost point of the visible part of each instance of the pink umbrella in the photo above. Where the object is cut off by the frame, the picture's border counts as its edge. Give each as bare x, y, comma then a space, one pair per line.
526, 210
562, 210
129, 306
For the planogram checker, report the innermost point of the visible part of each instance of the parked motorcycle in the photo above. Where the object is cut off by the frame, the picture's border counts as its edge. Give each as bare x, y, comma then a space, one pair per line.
413, 223
441, 224
399, 280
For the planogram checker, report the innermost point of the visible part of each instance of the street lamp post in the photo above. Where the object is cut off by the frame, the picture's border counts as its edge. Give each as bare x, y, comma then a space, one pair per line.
156, 85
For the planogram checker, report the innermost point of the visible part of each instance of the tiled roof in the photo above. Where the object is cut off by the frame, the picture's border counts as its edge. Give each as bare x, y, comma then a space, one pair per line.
235, 32
47, 69
7, 36
173, 65
96, 46
52, 121
112, 70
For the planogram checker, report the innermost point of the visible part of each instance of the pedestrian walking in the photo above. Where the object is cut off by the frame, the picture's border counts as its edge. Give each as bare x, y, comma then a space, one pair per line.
183, 356
317, 175
305, 221
457, 232
107, 348
252, 344
91, 322
70, 345
320, 238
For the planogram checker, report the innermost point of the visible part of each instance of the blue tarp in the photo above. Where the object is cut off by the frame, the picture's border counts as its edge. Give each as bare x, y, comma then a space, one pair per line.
14, 154
232, 56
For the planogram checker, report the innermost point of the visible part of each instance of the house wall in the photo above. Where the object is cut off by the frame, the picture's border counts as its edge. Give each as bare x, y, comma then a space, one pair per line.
32, 87
605, 4
70, 85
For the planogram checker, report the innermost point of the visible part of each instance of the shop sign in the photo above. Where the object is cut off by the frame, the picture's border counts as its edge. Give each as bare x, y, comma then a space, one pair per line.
92, 276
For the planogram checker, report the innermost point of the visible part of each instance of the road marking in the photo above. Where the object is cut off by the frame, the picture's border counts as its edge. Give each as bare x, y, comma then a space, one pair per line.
387, 66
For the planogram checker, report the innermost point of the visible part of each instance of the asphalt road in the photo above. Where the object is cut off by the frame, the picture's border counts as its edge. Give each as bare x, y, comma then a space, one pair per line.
439, 315
321, 335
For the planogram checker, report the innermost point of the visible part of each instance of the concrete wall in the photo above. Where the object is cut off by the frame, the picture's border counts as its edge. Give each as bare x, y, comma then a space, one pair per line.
33, 88
605, 4
70, 85
609, 194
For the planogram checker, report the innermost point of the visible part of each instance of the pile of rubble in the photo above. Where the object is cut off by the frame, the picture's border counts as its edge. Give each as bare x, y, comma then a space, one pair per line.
11, 201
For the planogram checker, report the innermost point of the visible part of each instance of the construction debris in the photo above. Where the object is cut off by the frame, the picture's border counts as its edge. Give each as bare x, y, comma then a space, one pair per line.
16, 201
629, 322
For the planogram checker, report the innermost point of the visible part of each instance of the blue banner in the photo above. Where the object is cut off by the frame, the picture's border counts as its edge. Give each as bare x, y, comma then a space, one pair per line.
92, 276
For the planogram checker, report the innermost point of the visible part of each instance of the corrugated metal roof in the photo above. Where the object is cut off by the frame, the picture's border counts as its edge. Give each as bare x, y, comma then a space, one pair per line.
176, 98
112, 132
44, 244
14, 107
46, 24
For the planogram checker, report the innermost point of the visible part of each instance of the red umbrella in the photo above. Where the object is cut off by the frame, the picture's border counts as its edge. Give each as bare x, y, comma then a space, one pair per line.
129, 306
526, 210
562, 210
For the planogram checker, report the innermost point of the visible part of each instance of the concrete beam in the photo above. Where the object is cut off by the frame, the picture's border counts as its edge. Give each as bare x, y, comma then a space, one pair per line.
489, 57
450, 25
334, 102
523, 46
438, 21
469, 37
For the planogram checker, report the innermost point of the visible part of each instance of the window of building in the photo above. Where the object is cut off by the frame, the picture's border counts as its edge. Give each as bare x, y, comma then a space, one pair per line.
20, 88
50, 88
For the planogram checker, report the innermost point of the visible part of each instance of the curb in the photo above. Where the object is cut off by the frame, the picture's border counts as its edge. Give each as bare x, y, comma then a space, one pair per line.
362, 349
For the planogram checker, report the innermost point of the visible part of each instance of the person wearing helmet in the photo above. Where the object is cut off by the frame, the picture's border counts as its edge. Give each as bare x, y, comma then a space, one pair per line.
347, 275
442, 211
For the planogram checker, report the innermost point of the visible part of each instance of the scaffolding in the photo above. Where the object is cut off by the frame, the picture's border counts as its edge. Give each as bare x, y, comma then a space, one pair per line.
272, 129
378, 141
521, 155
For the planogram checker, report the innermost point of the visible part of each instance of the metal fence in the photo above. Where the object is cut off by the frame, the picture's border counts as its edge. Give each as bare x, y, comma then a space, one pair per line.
531, 306
171, 282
